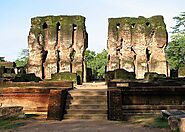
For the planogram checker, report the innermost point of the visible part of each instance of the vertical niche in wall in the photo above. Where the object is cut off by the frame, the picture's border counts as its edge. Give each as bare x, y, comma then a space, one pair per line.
44, 52
72, 54
58, 28
74, 34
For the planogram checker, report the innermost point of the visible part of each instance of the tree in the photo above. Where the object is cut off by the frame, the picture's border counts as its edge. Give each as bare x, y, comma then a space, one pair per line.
180, 23
96, 62
175, 50
2, 59
101, 61
23, 58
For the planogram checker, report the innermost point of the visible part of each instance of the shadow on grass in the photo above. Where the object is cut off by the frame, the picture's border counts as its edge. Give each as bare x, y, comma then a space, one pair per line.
14, 122
160, 122
153, 121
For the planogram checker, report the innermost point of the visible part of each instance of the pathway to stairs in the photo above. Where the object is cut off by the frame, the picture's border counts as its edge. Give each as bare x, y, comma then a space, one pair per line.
87, 101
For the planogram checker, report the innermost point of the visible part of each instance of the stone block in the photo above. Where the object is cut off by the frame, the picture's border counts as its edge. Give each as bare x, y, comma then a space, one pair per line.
11, 111
64, 76
123, 74
57, 102
109, 76
8, 64
168, 113
153, 76
181, 72
23, 77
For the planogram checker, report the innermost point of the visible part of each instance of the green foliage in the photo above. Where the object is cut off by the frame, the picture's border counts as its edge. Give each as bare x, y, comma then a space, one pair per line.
96, 62
2, 59
180, 23
15, 122
10, 123
176, 51
160, 122
23, 58
176, 48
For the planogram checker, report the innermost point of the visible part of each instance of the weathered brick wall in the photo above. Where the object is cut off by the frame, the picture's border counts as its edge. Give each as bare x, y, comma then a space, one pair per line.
57, 44
33, 100
137, 45
36, 99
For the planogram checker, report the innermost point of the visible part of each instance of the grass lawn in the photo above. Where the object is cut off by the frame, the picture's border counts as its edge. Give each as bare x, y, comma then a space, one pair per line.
13, 122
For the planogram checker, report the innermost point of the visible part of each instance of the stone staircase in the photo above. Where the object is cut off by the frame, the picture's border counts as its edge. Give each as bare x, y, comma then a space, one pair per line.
89, 104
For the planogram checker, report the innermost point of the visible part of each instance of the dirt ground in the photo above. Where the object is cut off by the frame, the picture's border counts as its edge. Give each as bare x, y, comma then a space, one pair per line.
82, 126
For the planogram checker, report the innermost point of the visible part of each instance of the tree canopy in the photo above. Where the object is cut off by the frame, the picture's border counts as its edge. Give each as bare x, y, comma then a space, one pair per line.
176, 47
23, 58
2, 59
96, 62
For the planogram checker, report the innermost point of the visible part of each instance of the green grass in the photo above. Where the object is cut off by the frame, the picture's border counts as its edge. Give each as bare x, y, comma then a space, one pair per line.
153, 121
14, 122
160, 122
10, 123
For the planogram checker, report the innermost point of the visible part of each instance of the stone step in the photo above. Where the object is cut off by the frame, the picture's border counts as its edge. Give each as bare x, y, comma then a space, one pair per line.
87, 97
152, 107
139, 114
86, 116
86, 102
81, 106
140, 111
87, 92
86, 111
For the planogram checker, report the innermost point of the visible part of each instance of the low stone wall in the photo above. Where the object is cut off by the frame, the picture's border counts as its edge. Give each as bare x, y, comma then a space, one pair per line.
125, 100
14, 111
58, 84
34, 99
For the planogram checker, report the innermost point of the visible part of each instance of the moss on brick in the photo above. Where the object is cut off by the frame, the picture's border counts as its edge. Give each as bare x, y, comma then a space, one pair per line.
23, 77
109, 76
150, 25
153, 76
123, 74
64, 76
66, 23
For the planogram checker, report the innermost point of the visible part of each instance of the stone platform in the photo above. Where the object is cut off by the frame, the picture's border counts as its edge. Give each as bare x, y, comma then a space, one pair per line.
126, 100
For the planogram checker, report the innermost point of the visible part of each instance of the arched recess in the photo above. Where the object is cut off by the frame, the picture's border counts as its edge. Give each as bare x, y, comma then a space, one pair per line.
74, 34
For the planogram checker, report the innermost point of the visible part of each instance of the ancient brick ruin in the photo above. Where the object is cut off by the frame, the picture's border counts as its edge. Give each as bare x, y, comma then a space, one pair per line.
57, 44
137, 45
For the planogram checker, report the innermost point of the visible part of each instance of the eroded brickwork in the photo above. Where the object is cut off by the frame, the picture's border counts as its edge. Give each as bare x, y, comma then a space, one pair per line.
56, 44
137, 45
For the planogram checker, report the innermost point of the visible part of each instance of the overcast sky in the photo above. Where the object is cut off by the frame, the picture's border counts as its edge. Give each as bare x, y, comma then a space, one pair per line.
16, 16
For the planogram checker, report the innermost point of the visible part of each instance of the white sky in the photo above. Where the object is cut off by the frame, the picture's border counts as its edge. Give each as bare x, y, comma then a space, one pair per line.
16, 16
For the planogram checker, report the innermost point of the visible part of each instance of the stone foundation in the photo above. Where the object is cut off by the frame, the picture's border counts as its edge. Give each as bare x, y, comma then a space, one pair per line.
13, 111
34, 99
126, 100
